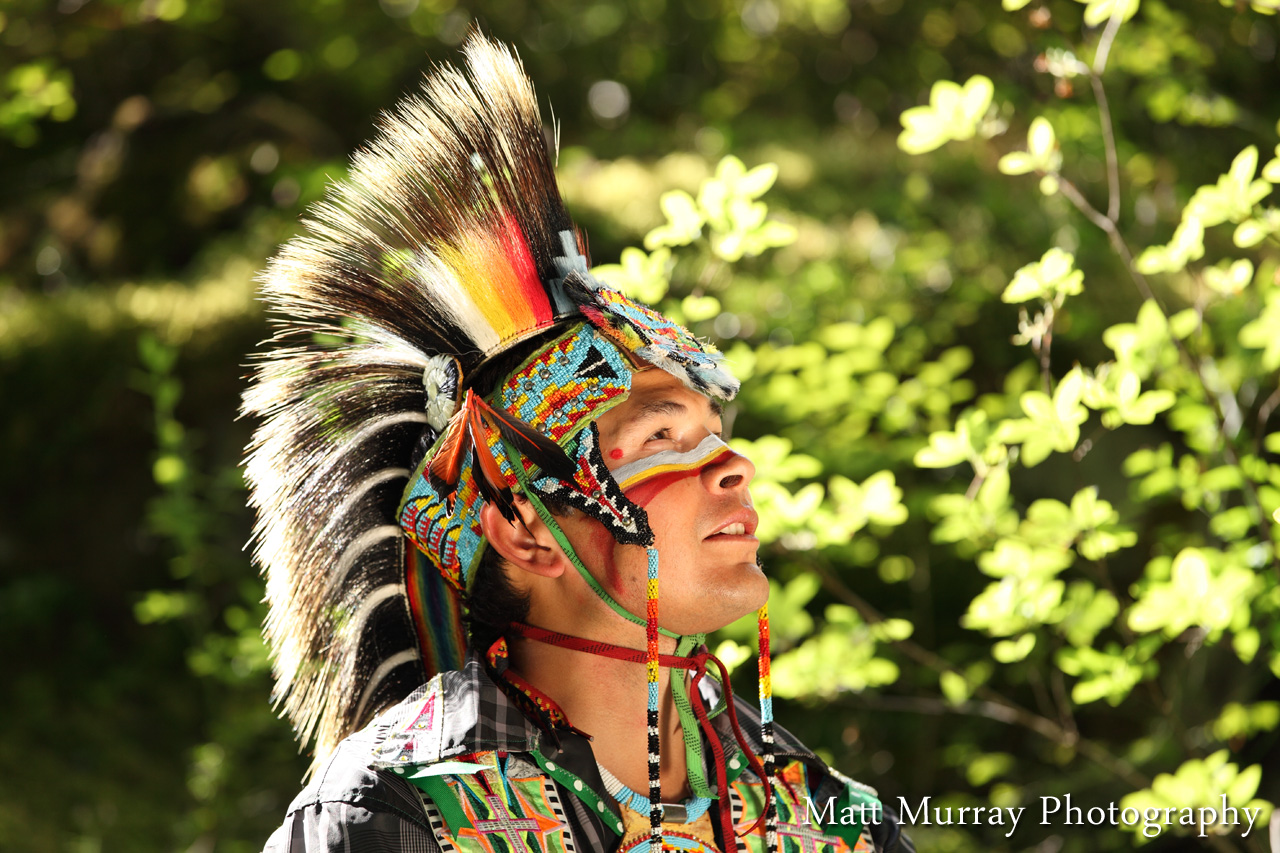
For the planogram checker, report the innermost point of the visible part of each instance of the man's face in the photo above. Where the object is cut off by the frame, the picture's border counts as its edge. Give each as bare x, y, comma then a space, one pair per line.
702, 519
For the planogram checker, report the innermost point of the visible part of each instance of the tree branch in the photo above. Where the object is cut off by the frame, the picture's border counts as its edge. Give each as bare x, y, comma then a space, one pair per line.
1101, 55
1109, 143
1121, 248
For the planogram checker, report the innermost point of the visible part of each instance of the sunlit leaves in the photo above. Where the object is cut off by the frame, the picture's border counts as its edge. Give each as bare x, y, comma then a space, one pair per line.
728, 206
978, 520
774, 460
639, 275
1116, 391
1098, 524
1028, 562
1110, 673
841, 656
1100, 11
1271, 170
1012, 651
1229, 277
33, 91
1205, 588
1143, 345
971, 442
1042, 154
1014, 605
946, 449
1054, 276
684, 221
851, 507
1187, 245
736, 218
1263, 224
1086, 611
1264, 332
1052, 423
814, 516
1232, 198
698, 308
954, 686
954, 113
1237, 720
1202, 783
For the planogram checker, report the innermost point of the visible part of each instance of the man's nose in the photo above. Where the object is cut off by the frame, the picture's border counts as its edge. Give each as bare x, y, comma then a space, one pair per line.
729, 472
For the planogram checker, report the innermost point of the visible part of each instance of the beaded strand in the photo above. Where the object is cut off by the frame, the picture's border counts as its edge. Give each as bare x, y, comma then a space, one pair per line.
766, 727
651, 667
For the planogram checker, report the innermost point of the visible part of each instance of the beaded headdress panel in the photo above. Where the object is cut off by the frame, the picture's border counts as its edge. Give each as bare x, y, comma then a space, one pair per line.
446, 246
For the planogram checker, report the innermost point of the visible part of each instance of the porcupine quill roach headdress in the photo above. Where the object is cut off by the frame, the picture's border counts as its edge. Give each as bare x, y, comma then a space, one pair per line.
447, 245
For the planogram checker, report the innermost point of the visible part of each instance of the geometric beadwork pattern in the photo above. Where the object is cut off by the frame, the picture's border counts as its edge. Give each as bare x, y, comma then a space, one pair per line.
558, 391
509, 815
659, 341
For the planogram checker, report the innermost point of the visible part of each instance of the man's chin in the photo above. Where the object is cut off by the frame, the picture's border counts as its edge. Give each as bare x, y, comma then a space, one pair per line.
744, 594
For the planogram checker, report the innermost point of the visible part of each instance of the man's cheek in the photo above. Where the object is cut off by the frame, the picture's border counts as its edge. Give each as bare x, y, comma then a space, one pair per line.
644, 493
602, 543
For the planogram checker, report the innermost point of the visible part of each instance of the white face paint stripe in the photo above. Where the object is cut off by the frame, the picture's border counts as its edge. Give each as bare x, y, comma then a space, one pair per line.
634, 473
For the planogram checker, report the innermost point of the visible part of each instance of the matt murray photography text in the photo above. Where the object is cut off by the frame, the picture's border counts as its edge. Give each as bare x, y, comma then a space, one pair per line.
1059, 811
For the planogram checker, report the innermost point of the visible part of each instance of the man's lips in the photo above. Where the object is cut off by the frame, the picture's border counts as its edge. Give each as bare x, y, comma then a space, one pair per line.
740, 525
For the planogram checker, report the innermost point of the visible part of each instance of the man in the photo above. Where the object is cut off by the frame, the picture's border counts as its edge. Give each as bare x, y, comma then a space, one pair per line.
567, 489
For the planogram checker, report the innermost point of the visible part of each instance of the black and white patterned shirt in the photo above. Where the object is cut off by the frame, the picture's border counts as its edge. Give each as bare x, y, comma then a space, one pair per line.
351, 807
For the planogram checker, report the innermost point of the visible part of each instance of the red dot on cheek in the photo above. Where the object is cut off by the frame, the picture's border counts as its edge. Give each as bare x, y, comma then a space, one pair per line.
616, 453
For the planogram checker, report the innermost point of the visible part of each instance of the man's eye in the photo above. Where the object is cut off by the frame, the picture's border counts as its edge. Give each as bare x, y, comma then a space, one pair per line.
660, 435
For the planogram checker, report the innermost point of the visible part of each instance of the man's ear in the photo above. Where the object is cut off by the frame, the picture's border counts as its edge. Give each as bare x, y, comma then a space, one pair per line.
525, 543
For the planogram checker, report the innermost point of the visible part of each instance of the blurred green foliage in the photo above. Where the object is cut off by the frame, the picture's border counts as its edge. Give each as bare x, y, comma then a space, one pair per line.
1018, 469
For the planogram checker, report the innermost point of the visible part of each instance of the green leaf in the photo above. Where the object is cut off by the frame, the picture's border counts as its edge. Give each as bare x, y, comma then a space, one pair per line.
1237, 720
953, 113
842, 656
1249, 233
1016, 558
684, 221
1042, 142
1229, 278
1016, 163
697, 308
1053, 275
1203, 782
638, 275
954, 687
945, 449
1233, 197
1012, 651
1205, 588
1110, 673
1264, 332
1098, 12
1271, 171
1187, 245
1086, 611
1184, 323
757, 181
1246, 644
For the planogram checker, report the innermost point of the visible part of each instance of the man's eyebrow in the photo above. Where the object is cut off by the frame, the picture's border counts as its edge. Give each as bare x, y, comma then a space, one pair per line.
659, 406
666, 406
